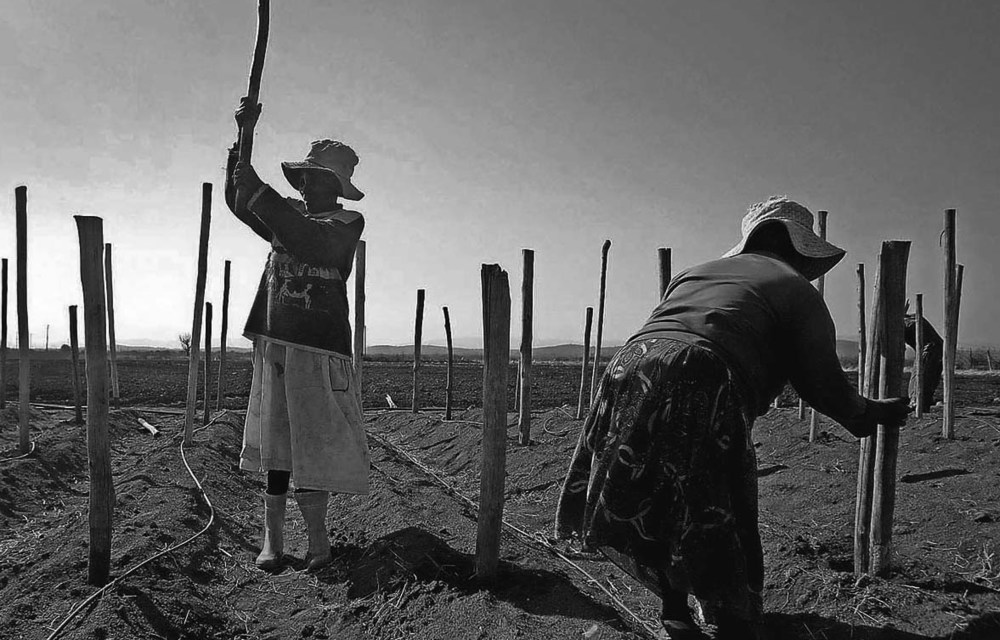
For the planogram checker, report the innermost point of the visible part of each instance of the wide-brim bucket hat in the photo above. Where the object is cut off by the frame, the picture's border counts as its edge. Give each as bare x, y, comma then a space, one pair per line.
330, 156
820, 255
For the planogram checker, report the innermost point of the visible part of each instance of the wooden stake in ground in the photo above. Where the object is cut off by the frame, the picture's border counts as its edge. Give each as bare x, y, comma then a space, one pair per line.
223, 336
207, 380
74, 347
3, 334
496, 356
600, 321
418, 327
862, 338
918, 349
867, 446
199, 303
359, 312
663, 254
112, 345
950, 343
821, 287
527, 307
893, 283
448, 378
102, 491
23, 340
586, 361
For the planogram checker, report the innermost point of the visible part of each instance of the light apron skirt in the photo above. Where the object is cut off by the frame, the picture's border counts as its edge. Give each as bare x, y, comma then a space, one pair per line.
305, 417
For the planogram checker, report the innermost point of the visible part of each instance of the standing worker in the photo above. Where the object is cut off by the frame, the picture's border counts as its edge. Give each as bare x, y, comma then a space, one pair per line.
664, 477
304, 418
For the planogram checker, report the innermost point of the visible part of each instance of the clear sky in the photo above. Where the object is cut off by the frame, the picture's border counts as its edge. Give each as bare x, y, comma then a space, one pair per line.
488, 126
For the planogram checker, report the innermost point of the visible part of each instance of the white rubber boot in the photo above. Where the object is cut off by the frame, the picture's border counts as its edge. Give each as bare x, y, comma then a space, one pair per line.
312, 504
274, 538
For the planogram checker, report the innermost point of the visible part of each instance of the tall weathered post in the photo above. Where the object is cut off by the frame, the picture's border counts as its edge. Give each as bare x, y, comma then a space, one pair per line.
950, 343
112, 345
821, 287
663, 255
199, 303
867, 446
418, 327
862, 338
586, 361
207, 381
918, 349
359, 313
496, 357
600, 320
893, 283
223, 336
23, 340
102, 491
527, 308
449, 378
74, 346
3, 334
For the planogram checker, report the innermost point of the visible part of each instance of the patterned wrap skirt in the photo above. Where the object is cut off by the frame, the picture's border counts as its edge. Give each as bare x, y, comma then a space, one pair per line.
663, 480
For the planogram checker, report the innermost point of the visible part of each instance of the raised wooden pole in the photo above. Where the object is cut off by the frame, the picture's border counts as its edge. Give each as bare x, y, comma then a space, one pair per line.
867, 446
496, 357
223, 336
74, 347
527, 307
207, 379
663, 254
3, 334
600, 321
448, 379
359, 313
418, 327
894, 256
586, 361
821, 287
199, 303
862, 338
23, 340
102, 490
950, 343
112, 345
918, 348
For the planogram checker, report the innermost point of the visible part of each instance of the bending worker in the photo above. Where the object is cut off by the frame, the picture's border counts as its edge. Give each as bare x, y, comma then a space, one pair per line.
930, 356
664, 477
304, 418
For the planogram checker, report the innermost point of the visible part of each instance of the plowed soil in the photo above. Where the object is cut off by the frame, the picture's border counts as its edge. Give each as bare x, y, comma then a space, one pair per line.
404, 555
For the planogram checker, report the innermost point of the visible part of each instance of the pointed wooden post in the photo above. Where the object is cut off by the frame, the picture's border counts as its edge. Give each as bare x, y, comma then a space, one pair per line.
207, 380
23, 340
862, 338
74, 346
663, 254
418, 327
867, 446
586, 361
448, 379
496, 359
600, 321
3, 335
918, 349
950, 343
893, 283
527, 307
821, 287
102, 491
223, 336
199, 303
112, 345
359, 314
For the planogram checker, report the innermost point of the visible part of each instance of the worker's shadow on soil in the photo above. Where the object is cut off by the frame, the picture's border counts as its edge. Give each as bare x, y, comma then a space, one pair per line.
414, 555
807, 625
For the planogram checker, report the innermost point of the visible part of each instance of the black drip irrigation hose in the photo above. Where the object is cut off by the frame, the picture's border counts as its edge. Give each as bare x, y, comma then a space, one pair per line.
22, 456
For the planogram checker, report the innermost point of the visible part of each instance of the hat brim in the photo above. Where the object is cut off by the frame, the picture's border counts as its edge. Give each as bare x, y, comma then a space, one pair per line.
821, 256
293, 170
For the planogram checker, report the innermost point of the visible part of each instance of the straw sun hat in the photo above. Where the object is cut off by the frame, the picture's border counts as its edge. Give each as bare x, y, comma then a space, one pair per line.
330, 156
821, 256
